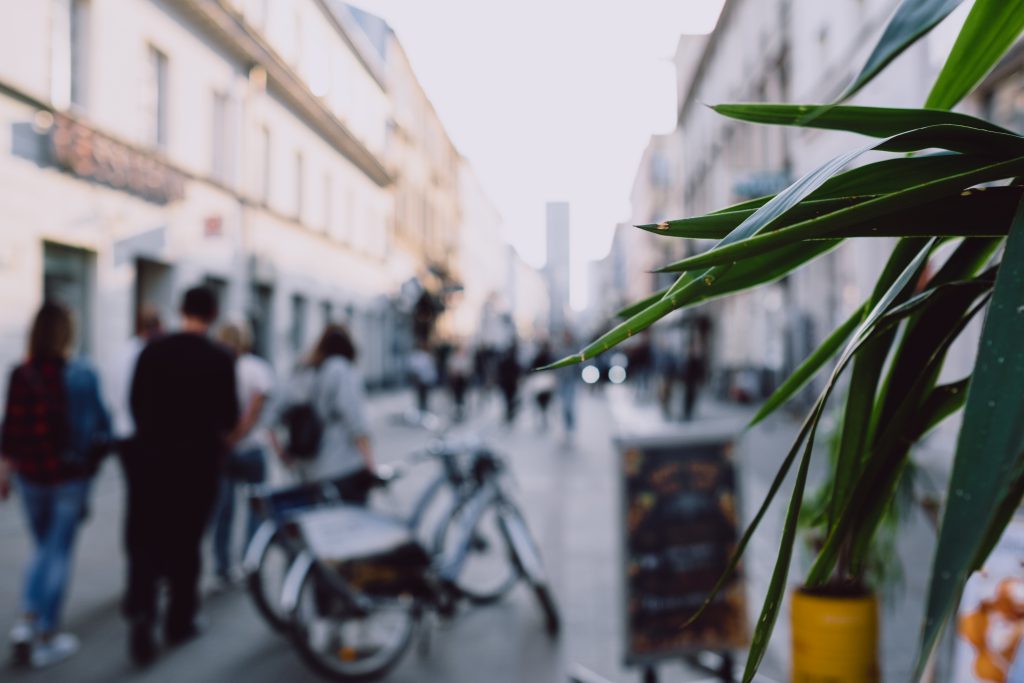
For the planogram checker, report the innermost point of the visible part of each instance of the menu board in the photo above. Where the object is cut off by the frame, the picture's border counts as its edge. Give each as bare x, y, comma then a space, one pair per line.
679, 528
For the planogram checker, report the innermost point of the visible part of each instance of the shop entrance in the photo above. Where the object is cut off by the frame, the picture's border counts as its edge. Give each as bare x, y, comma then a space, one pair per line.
68, 277
153, 289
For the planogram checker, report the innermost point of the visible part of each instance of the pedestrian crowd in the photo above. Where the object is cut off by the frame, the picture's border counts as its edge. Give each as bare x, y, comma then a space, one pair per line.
194, 416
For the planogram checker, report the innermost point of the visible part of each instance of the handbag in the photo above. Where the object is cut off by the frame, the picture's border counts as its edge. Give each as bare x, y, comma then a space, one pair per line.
247, 466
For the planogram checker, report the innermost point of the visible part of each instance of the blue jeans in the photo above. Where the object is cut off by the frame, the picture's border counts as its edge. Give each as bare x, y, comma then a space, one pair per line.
224, 515
54, 512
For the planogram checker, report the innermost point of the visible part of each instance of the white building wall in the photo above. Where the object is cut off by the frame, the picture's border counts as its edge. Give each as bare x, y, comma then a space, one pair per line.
336, 256
483, 253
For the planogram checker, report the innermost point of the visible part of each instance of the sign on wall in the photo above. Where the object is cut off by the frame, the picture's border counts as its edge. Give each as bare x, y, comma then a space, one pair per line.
89, 154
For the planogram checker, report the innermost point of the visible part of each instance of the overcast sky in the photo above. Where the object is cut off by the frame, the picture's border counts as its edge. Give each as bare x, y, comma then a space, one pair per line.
550, 100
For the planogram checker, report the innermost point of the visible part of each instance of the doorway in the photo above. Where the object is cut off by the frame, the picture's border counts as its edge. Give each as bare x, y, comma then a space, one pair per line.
261, 321
153, 289
68, 277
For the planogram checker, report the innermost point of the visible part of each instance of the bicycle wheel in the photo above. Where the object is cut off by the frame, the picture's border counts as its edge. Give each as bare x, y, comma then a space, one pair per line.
267, 562
527, 558
343, 644
487, 571
552, 620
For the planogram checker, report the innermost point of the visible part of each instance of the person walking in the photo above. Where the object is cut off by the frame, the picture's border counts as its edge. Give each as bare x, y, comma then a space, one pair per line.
54, 432
543, 383
246, 463
148, 327
460, 369
185, 406
328, 389
508, 381
566, 380
423, 371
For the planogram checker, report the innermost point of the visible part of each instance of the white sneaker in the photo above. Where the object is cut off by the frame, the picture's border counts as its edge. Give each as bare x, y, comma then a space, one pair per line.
56, 649
21, 637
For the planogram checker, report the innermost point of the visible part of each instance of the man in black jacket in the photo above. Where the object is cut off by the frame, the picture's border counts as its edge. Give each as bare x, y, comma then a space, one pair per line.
184, 404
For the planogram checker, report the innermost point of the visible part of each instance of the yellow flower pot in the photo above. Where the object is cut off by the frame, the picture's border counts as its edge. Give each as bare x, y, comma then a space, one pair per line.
835, 638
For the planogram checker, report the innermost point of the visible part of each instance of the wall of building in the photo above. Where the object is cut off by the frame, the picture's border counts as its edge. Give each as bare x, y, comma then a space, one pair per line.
284, 199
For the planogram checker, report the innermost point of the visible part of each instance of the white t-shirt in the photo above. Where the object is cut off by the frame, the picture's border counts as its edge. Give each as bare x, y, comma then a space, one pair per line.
253, 377
124, 372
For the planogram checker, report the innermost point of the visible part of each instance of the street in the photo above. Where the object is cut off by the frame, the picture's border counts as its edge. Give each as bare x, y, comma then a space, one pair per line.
571, 502
571, 499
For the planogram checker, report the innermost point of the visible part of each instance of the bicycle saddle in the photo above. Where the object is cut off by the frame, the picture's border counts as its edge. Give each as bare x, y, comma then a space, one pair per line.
344, 532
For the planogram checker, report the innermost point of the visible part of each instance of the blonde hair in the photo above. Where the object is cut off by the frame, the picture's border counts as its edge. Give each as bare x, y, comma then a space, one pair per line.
236, 336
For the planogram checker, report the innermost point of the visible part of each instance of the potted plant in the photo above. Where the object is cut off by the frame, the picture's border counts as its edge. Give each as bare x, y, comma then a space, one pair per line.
965, 198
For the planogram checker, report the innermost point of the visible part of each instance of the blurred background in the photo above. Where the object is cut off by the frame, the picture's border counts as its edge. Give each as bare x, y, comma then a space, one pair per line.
446, 175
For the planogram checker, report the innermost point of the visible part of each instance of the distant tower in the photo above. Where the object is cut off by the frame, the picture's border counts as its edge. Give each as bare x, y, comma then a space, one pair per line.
557, 268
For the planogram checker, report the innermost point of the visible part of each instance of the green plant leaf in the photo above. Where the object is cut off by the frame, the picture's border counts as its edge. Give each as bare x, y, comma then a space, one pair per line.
763, 269
810, 367
879, 122
990, 443
867, 369
748, 533
826, 226
958, 272
809, 425
890, 454
871, 491
913, 19
989, 31
983, 211
880, 177
757, 270
777, 585
899, 173
689, 287
940, 313
1005, 509
718, 225
914, 371
943, 401
633, 309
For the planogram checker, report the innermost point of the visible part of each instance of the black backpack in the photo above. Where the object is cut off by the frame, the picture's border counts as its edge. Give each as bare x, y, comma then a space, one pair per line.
304, 430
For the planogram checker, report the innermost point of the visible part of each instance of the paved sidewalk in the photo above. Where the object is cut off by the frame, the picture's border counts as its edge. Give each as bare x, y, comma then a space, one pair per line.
759, 454
570, 495
98, 575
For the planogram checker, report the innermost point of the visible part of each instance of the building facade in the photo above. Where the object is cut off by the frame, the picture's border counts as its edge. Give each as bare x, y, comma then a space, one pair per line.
556, 268
772, 51
804, 52
258, 147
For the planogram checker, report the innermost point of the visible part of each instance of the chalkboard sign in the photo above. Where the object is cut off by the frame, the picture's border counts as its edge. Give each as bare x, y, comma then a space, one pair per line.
679, 528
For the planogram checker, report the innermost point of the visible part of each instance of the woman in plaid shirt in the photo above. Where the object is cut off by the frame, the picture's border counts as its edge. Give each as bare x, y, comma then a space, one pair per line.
54, 428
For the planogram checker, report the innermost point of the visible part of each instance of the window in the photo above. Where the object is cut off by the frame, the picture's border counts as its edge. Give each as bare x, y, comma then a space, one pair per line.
265, 180
297, 334
328, 208
261, 312
156, 113
69, 52
219, 138
79, 51
299, 184
69, 277
327, 311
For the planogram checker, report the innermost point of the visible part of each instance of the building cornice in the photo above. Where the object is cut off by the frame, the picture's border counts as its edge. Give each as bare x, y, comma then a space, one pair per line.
231, 31
706, 54
355, 38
